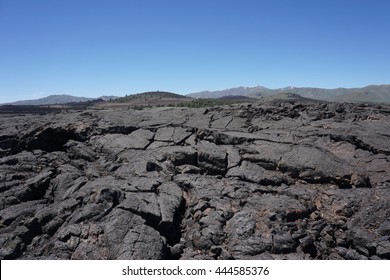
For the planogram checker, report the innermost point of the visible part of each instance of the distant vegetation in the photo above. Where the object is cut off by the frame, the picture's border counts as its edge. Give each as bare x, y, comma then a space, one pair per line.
148, 96
210, 102
168, 99
46, 109
28, 109
56, 103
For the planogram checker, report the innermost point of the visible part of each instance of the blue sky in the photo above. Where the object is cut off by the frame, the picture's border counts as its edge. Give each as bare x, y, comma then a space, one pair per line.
117, 47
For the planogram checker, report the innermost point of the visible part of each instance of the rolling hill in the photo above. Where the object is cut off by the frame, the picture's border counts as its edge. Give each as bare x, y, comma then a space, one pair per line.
369, 94
58, 99
257, 91
146, 99
149, 96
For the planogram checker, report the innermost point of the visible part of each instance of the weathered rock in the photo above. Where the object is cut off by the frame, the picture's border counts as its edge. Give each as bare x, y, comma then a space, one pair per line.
283, 242
143, 204
254, 173
115, 143
172, 134
79, 150
212, 158
178, 155
128, 237
384, 228
278, 180
169, 198
383, 249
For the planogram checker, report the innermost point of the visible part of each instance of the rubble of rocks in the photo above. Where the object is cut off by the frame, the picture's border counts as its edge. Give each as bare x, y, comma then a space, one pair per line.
280, 180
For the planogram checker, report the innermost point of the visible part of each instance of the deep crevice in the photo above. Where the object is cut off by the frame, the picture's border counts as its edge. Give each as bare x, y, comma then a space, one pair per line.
359, 144
49, 139
116, 129
172, 232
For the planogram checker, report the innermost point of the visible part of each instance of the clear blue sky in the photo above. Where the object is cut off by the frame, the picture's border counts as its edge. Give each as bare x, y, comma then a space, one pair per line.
118, 47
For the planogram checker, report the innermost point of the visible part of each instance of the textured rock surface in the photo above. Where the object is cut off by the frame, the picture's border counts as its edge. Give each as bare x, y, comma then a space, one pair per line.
278, 180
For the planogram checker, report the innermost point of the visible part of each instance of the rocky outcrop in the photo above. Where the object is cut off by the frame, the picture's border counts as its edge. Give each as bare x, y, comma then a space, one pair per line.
281, 180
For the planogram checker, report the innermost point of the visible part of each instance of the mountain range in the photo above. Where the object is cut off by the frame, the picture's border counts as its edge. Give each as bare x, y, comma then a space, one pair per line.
59, 99
368, 94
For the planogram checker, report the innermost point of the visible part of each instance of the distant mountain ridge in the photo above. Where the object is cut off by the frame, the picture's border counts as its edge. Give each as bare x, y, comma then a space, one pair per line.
368, 94
256, 91
58, 99
65, 98
372, 93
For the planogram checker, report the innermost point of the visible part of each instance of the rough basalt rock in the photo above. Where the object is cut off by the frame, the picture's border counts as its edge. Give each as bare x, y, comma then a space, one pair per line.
280, 180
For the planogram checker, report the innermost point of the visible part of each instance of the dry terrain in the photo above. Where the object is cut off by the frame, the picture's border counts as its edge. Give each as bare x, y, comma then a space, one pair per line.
275, 180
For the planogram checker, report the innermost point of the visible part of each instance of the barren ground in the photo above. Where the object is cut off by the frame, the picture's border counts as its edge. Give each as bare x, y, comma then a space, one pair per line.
278, 180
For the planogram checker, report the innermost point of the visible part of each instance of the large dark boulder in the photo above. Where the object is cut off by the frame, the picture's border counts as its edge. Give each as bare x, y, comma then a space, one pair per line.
212, 157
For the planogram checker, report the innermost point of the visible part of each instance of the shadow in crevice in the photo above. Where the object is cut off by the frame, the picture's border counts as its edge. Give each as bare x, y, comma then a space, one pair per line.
172, 232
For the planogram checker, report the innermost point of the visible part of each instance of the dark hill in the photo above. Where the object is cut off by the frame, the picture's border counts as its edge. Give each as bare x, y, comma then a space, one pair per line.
148, 96
237, 97
288, 96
